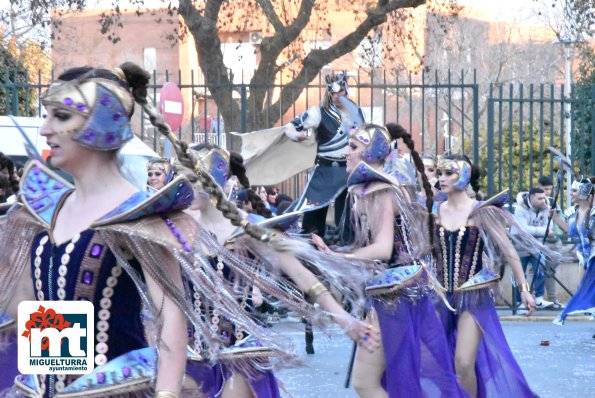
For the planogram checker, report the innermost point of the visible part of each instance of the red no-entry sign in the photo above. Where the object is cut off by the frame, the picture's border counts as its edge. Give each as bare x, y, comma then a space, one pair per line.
171, 105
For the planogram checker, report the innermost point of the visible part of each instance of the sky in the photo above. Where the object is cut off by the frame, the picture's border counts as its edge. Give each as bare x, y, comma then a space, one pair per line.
500, 9
503, 10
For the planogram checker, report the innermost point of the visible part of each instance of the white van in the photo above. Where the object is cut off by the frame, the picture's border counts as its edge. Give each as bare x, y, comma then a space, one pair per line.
12, 144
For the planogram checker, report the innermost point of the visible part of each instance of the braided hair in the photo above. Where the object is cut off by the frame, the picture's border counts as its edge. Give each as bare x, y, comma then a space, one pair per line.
138, 79
397, 131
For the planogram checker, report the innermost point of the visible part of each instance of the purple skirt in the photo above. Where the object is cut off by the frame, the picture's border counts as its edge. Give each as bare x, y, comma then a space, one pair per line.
212, 378
498, 373
418, 359
584, 298
8, 360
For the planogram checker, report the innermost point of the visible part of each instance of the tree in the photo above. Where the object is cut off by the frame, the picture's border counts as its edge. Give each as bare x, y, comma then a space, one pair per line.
15, 97
583, 114
24, 60
284, 24
573, 22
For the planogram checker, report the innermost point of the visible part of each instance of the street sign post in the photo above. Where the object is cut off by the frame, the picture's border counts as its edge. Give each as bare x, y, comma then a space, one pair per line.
171, 105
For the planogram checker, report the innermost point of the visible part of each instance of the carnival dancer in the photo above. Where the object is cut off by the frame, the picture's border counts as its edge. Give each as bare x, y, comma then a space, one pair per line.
430, 168
331, 121
159, 173
257, 380
467, 230
391, 226
125, 250
582, 226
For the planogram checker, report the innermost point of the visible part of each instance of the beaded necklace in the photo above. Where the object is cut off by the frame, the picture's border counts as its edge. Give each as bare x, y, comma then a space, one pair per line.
446, 261
102, 326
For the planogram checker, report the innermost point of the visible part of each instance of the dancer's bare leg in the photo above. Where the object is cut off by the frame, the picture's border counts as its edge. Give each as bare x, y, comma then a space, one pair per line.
468, 338
237, 387
369, 367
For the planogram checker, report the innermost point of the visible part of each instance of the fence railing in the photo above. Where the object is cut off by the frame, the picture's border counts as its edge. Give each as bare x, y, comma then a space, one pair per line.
523, 121
444, 113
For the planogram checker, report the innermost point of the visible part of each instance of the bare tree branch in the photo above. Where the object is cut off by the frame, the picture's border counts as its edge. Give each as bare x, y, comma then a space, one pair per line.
271, 48
271, 14
316, 59
210, 57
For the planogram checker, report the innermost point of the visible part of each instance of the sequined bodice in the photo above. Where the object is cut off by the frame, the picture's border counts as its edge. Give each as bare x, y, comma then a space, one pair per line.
85, 269
459, 255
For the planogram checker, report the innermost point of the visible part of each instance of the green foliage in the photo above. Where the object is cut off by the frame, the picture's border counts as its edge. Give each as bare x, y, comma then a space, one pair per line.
583, 115
518, 161
15, 98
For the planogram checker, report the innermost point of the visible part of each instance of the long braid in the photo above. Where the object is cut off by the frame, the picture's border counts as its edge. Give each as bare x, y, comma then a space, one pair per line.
237, 168
397, 131
138, 79
258, 204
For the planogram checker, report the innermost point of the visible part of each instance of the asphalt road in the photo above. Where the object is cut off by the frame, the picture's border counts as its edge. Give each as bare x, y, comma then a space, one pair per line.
565, 368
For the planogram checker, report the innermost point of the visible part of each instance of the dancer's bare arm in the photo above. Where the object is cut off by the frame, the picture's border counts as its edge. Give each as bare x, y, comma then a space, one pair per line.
381, 247
174, 338
305, 280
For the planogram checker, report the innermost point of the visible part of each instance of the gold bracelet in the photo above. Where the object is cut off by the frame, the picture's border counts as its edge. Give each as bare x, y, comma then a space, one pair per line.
316, 291
166, 394
243, 223
349, 255
525, 287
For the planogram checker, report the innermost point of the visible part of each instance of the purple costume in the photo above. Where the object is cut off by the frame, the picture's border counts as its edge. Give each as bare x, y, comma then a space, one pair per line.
213, 377
106, 264
584, 298
417, 357
460, 269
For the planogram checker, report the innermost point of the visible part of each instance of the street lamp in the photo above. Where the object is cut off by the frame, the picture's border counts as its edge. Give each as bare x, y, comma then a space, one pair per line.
568, 55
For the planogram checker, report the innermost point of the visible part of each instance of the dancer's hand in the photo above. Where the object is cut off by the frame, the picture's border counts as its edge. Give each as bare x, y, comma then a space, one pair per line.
364, 334
319, 243
529, 302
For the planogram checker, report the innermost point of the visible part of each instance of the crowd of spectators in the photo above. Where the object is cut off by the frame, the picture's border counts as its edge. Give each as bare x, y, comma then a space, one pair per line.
536, 213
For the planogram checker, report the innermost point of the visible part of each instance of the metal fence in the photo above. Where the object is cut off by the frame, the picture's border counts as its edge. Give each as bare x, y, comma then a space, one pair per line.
445, 112
523, 121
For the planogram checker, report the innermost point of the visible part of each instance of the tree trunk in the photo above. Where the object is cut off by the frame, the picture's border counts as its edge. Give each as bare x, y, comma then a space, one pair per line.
257, 114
